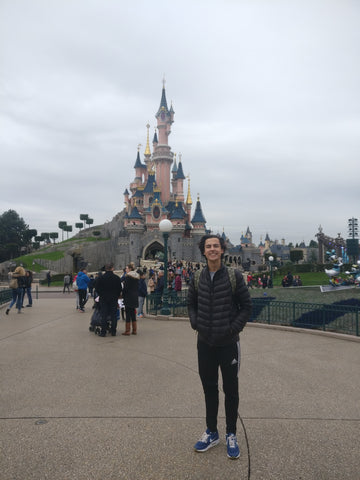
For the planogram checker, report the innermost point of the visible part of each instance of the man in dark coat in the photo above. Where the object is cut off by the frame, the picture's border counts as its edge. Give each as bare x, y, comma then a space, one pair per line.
219, 306
109, 289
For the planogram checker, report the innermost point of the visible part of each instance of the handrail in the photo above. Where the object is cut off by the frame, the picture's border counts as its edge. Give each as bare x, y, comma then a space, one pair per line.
341, 317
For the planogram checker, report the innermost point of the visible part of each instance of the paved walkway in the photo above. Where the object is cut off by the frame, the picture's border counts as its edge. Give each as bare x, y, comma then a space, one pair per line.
77, 406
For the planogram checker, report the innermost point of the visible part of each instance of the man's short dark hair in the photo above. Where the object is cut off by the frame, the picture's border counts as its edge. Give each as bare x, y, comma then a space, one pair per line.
206, 237
109, 266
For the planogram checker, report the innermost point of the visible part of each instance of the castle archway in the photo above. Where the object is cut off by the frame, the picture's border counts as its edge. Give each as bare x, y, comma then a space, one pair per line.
154, 251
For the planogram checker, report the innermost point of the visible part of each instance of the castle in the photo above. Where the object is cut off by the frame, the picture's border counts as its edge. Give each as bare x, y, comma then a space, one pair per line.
157, 193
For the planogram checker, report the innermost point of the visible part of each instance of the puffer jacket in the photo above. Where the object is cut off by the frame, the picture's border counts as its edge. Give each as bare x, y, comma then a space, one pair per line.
217, 314
130, 290
82, 280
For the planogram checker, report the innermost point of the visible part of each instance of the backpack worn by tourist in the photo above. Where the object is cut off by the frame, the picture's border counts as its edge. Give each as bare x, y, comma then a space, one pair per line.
231, 274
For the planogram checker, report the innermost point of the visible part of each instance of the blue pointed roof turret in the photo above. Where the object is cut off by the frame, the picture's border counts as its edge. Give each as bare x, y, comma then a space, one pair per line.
175, 167
138, 193
126, 192
198, 215
155, 139
135, 214
178, 212
180, 174
163, 103
150, 184
138, 163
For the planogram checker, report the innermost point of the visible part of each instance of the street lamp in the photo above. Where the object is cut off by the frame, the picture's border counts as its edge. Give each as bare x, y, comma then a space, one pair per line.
165, 227
271, 259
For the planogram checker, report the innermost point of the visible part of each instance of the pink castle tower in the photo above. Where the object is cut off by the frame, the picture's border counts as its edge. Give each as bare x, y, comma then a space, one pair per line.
162, 156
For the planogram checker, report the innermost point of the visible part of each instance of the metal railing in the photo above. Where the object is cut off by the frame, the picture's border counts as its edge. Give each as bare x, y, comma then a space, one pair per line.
5, 295
327, 317
177, 302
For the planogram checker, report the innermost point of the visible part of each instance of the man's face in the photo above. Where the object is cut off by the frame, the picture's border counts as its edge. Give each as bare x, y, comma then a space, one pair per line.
213, 250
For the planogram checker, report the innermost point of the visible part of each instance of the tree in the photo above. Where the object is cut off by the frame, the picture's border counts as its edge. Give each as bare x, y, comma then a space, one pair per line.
14, 235
62, 224
79, 225
54, 235
89, 221
296, 255
313, 244
84, 216
46, 236
68, 228
39, 238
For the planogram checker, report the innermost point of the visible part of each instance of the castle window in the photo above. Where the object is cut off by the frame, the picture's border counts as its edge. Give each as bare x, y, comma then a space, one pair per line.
156, 212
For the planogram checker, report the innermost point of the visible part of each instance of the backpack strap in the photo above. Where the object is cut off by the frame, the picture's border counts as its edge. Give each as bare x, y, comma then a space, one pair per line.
196, 279
232, 277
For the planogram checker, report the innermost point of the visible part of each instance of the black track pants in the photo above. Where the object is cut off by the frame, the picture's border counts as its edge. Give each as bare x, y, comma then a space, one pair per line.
228, 359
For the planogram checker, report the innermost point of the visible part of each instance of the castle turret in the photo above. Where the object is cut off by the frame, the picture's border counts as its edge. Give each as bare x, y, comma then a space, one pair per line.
162, 156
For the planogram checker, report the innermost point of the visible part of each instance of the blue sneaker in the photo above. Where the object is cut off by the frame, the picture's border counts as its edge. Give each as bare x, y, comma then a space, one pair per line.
233, 450
208, 440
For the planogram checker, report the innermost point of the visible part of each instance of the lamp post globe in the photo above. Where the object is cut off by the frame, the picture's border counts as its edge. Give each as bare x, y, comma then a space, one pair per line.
165, 227
271, 259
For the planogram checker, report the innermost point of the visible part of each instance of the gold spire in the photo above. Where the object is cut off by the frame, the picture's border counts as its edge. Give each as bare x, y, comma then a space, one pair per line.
147, 148
188, 200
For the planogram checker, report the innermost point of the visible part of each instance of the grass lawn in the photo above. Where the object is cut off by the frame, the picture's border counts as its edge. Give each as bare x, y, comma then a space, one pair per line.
308, 278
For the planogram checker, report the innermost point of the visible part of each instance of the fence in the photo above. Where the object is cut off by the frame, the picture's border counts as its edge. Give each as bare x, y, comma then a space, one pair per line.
5, 295
332, 318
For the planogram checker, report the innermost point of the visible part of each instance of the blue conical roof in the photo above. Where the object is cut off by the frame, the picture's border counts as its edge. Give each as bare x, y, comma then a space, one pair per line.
198, 215
135, 214
180, 174
138, 163
150, 184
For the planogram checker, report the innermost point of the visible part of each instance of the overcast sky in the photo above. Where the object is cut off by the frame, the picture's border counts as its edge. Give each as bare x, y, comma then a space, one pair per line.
266, 100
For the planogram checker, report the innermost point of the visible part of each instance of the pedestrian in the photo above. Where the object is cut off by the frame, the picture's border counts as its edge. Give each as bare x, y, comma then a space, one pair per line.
218, 309
28, 282
91, 285
82, 281
109, 288
17, 285
142, 292
131, 299
48, 278
151, 283
67, 280
178, 282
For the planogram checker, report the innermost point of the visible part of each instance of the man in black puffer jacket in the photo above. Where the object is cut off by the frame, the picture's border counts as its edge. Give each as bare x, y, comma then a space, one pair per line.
108, 287
218, 311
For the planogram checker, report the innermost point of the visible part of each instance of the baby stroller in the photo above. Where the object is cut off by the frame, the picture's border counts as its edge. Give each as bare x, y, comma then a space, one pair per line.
96, 318
95, 322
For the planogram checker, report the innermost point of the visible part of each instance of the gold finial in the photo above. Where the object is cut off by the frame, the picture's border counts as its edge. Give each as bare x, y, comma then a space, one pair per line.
139, 146
188, 200
180, 155
164, 81
147, 149
198, 197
